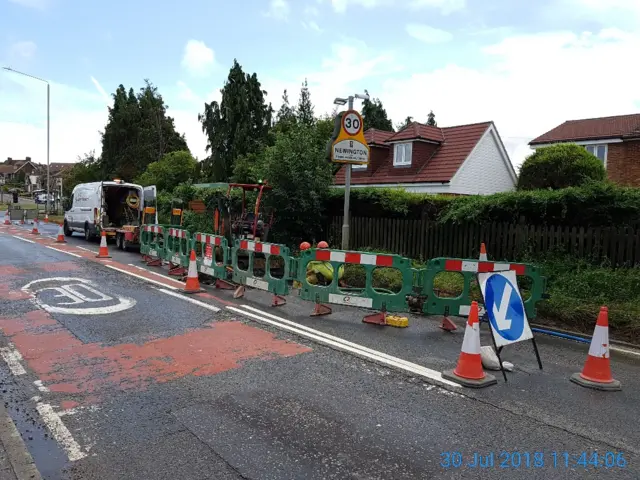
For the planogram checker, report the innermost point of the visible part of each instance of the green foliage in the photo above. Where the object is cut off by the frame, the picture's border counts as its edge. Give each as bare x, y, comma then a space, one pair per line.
286, 116
237, 126
431, 119
560, 166
304, 112
374, 115
137, 133
407, 121
300, 176
595, 204
171, 170
86, 169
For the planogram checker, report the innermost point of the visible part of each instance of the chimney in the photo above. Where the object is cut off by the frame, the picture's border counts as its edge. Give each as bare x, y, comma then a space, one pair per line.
9, 158
28, 159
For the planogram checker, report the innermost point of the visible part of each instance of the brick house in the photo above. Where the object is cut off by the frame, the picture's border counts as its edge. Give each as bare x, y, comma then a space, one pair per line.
27, 171
460, 160
614, 140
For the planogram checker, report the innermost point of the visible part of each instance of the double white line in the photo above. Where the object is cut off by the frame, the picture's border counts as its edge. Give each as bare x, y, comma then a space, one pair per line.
341, 344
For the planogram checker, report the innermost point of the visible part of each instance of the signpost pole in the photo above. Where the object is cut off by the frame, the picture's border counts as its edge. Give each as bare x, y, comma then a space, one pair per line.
347, 192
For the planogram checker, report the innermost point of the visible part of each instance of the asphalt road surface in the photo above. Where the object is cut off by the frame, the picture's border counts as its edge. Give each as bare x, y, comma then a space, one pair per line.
110, 372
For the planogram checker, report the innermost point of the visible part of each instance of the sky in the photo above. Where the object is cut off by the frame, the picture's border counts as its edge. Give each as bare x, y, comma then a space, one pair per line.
526, 65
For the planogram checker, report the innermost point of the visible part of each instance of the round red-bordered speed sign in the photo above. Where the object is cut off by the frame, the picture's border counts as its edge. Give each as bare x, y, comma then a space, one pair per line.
352, 123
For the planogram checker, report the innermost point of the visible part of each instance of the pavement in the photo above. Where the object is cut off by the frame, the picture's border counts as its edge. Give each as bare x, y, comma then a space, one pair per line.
110, 372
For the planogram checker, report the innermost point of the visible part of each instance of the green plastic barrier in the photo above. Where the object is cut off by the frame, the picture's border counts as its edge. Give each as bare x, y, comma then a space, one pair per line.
205, 245
178, 247
469, 268
267, 282
369, 297
152, 244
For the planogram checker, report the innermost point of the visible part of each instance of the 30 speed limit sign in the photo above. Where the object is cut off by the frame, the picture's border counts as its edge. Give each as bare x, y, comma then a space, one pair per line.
352, 123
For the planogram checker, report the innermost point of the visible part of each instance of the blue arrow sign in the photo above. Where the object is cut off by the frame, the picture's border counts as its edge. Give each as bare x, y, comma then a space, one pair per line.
505, 308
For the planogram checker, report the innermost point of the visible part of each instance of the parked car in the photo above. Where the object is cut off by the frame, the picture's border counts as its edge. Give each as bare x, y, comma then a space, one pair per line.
42, 198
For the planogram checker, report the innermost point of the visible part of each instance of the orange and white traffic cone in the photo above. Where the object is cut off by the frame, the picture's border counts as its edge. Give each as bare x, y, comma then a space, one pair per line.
469, 370
193, 283
60, 238
104, 251
35, 231
596, 373
483, 253
7, 216
46, 218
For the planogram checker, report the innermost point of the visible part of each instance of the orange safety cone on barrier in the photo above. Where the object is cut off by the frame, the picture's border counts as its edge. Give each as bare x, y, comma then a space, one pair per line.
35, 231
60, 238
483, 253
104, 251
469, 370
596, 373
193, 283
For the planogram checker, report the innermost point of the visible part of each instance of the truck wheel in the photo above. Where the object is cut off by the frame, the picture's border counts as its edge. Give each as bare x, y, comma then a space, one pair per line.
119, 241
125, 244
67, 231
88, 236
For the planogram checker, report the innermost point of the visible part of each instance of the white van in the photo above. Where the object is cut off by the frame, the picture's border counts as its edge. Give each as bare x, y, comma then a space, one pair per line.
107, 206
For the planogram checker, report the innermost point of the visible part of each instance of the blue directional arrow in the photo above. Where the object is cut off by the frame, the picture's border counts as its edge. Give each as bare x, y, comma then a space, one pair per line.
504, 307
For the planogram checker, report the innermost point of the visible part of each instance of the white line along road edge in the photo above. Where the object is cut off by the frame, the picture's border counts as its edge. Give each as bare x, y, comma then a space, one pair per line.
140, 277
12, 357
190, 300
343, 345
61, 433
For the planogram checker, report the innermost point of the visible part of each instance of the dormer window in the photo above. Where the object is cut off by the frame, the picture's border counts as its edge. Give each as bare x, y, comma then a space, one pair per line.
402, 154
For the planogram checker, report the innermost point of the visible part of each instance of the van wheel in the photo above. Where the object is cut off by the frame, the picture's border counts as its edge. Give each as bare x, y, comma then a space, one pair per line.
67, 231
119, 241
87, 233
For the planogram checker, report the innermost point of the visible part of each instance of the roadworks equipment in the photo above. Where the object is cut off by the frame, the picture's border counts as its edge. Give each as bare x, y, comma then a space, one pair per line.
60, 238
193, 284
596, 373
104, 251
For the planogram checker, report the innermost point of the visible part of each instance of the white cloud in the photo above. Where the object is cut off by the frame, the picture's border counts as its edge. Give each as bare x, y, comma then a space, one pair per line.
428, 34
445, 6
37, 4
311, 25
22, 50
279, 9
198, 59
101, 91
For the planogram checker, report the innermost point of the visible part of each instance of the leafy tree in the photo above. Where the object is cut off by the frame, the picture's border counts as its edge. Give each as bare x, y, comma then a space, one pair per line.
138, 132
405, 124
171, 170
87, 169
286, 114
375, 116
304, 112
431, 119
237, 126
297, 169
560, 166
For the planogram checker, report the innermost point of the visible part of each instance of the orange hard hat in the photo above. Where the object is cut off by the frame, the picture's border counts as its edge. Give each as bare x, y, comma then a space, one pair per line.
305, 246
323, 244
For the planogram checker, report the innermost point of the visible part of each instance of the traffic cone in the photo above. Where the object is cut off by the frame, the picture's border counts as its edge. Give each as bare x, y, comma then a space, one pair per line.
6, 218
469, 371
60, 238
596, 373
35, 228
193, 284
46, 218
104, 251
483, 253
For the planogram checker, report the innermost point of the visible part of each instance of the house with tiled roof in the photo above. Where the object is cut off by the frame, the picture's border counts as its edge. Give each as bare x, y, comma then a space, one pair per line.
460, 160
22, 171
614, 140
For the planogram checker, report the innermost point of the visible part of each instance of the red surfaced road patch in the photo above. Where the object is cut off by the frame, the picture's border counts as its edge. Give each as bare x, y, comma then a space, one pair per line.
89, 370
10, 270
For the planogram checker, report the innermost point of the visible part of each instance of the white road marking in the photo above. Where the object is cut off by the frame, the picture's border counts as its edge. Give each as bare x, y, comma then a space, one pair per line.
13, 358
23, 239
64, 251
41, 386
626, 351
85, 249
164, 277
341, 344
164, 285
61, 433
190, 300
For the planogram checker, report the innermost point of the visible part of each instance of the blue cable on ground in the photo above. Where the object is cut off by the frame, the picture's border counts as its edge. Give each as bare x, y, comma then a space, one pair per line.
561, 335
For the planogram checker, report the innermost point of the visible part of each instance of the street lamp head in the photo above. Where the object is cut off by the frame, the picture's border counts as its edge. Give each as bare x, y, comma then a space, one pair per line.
340, 101
360, 96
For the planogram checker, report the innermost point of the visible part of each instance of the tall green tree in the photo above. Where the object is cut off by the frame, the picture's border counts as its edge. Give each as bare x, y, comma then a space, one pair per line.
237, 126
405, 124
431, 119
138, 132
304, 112
374, 115
87, 169
286, 116
171, 170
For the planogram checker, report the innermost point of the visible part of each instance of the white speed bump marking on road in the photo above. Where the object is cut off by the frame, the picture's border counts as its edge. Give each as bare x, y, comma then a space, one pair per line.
79, 292
344, 345
60, 432
12, 357
190, 300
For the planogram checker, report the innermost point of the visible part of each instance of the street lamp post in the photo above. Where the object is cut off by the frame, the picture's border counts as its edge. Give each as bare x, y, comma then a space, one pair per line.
347, 174
48, 124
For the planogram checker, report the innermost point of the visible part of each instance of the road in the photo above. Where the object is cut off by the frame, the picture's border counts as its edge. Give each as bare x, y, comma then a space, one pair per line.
111, 373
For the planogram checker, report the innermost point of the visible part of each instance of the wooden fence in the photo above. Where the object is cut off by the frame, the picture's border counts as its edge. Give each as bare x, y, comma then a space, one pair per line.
504, 241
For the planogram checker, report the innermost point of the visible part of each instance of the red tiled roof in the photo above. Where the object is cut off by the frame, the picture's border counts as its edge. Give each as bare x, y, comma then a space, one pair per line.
602, 128
7, 168
458, 142
373, 136
417, 130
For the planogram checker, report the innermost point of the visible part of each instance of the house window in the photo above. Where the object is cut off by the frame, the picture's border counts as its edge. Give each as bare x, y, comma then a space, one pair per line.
599, 151
402, 154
